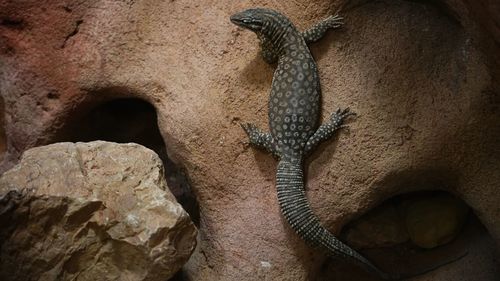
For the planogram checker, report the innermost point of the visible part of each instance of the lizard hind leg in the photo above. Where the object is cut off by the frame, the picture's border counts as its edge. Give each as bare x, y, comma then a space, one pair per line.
328, 129
260, 139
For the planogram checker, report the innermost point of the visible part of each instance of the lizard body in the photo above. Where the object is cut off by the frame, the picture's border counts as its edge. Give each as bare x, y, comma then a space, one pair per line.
294, 109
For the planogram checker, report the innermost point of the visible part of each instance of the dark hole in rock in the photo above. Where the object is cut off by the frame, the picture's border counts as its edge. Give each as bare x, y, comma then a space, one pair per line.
15, 23
179, 276
131, 120
53, 95
415, 232
3, 135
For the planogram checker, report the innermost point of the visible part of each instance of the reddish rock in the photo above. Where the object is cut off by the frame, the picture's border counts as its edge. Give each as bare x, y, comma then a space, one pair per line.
422, 77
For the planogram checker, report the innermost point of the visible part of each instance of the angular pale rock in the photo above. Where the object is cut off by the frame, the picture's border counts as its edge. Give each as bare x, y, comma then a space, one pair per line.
91, 211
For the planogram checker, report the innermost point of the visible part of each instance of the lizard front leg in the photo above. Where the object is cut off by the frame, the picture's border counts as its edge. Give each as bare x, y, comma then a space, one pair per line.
317, 31
260, 139
327, 130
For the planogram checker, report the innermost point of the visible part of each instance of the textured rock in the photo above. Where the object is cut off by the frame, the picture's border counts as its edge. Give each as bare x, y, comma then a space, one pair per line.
478, 264
91, 211
422, 77
382, 226
434, 221
427, 219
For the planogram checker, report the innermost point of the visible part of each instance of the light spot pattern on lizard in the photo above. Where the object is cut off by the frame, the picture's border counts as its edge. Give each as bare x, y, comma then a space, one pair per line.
294, 109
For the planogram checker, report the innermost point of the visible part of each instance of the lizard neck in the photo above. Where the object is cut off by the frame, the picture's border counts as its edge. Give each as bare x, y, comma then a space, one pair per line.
279, 36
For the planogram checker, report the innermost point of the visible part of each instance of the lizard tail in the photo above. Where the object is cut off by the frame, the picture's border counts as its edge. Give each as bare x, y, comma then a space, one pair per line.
296, 210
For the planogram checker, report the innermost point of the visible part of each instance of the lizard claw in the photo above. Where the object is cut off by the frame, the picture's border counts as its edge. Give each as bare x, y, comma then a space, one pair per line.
344, 113
248, 128
345, 127
252, 132
335, 21
244, 126
337, 118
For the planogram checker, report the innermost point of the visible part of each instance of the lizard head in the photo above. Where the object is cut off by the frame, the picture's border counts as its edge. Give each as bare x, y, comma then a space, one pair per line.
259, 20
252, 19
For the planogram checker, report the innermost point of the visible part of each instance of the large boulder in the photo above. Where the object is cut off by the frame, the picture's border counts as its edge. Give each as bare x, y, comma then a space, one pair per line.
91, 211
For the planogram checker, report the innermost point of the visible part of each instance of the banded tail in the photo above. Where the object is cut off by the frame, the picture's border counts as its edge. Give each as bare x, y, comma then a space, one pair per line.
298, 213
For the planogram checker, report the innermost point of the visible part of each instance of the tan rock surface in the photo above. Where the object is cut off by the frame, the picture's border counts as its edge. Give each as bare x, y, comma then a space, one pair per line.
382, 226
427, 219
422, 77
434, 221
91, 211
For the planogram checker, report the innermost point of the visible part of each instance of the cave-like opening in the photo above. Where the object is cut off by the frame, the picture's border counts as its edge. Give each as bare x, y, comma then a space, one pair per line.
416, 232
124, 120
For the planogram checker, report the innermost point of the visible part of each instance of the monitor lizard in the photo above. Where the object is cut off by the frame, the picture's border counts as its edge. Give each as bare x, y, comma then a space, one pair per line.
294, 109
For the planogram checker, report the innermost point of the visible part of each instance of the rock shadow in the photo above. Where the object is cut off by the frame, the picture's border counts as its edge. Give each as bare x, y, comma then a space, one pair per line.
3, 135
418, 232
124, 120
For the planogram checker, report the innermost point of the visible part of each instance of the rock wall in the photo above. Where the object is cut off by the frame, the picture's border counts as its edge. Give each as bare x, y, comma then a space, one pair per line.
423, 77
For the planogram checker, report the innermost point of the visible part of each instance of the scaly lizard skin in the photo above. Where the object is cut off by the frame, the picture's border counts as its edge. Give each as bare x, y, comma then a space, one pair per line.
294, 108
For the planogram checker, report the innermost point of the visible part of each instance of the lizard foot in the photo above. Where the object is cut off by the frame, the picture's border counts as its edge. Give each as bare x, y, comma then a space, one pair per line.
252, 132
335, 21
338, 117
260, 139
328, 129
